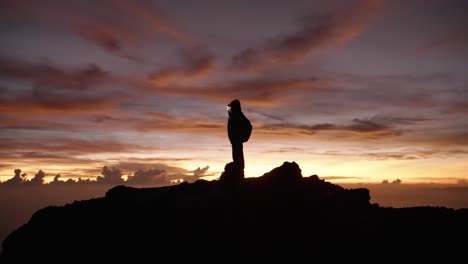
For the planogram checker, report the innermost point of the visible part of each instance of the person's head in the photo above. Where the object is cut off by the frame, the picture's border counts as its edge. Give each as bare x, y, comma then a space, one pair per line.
234, 106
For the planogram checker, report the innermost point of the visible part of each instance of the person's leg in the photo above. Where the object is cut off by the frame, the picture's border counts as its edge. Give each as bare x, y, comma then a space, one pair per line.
238, 155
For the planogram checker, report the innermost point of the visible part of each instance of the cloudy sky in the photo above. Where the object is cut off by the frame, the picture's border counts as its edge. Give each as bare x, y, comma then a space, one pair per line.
357, 91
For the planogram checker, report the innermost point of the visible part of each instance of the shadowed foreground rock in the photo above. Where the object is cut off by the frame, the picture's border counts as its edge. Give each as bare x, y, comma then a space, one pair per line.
280, 217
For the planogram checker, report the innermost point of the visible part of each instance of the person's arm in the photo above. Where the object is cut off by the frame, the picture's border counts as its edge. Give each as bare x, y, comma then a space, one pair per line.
229, 130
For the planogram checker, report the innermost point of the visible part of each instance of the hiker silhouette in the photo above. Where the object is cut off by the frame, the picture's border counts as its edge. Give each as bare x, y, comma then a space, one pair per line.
239, 130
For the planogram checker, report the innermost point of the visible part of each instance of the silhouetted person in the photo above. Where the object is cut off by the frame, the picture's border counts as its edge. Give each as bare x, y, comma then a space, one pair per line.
239, 130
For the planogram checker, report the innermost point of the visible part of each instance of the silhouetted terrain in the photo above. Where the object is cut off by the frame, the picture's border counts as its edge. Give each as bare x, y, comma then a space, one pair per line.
280, 217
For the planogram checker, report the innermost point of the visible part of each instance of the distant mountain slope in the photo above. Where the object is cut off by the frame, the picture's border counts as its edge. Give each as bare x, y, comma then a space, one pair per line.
278, 217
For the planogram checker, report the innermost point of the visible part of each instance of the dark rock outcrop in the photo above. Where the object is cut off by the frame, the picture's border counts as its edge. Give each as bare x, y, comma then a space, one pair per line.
278, 217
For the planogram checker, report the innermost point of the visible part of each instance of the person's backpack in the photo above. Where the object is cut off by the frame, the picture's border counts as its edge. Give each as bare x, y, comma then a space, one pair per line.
246, 130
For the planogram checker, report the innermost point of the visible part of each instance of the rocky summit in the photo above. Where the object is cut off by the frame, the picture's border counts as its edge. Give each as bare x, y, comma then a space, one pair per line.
279, 217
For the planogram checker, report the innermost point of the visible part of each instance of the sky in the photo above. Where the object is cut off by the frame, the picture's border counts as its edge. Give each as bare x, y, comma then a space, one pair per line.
368, 93
119, 91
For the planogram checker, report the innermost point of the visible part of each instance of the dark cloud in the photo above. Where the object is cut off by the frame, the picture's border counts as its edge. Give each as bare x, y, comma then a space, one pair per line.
195, 62
399, 120
369, 126
453, 138
246, 59
453, 41
396, 182
54, 103
163, 122
154, 171
54, 90
45, 74
146, 172
403, 154
70, 181
285, 150
38, 178
316, 31
11, 121
110, 176
101, 37
197, 174
148, 177
456, 108
402, 78
262, 92
160, 163
269, 116
151, 17
45, 147
17, 179
420, 96
391, 156
362, 127
71, 165
462, 182
110, 39
341, 178
117, 26
20, 178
